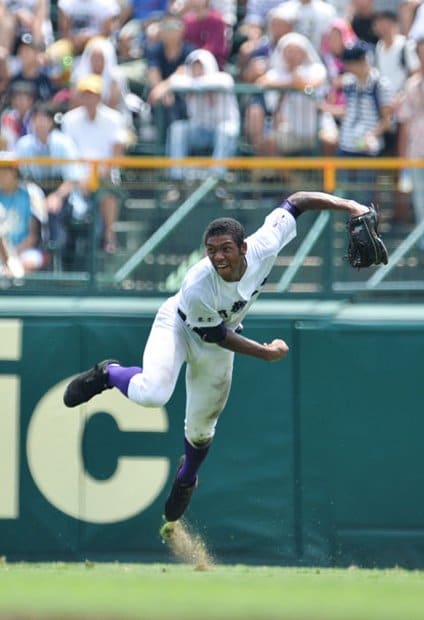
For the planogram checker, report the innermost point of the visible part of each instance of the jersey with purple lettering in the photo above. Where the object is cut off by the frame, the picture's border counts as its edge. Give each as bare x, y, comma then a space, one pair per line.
207, 300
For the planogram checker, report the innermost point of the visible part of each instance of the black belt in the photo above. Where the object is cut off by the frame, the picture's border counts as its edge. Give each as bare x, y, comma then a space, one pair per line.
182, 314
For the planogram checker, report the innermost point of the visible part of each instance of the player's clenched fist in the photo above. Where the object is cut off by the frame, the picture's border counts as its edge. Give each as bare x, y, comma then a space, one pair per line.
276, 350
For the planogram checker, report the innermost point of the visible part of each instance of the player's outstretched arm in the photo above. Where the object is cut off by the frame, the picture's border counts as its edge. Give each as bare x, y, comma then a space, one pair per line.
365, 245
320, 201
270, 352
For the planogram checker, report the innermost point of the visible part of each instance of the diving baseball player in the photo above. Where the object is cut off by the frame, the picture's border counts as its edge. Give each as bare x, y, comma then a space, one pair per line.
200, 325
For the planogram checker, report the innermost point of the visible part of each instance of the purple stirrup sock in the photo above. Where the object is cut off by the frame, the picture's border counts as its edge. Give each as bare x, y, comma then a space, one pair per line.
193, 459
120, 376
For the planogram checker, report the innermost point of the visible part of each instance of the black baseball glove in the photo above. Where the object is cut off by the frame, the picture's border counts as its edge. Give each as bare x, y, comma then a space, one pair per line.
365, 247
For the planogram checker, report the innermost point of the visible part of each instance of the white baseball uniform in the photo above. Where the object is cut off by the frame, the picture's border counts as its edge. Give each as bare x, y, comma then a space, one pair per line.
206, 300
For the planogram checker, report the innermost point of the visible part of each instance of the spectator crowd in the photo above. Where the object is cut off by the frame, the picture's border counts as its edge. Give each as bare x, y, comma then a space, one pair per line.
80, 79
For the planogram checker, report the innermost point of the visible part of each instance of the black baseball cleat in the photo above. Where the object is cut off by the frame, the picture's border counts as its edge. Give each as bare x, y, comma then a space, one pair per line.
87, 384
179, 497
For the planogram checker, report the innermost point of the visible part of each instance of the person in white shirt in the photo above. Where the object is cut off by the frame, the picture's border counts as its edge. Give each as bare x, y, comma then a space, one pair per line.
396, 59
256, 16
99, 57
20, 17
200, 326
228, 9
80, 20
60, 181
416, 30
98, 133
213, 121
297, 74
312, 18
411, 139
395, 55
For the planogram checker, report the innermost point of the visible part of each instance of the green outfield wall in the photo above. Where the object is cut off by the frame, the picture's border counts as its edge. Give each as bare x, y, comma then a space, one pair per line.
318, 460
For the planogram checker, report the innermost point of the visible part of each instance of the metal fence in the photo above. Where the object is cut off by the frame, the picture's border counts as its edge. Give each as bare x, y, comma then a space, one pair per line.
292, 115
158, 241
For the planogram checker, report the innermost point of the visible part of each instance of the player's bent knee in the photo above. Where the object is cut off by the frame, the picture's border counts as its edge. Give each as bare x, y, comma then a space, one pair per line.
149, 390
153, 400
157, 397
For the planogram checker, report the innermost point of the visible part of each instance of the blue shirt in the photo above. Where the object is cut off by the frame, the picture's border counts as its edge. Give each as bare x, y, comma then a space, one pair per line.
148, 9
155, 56
15, 215
58, 146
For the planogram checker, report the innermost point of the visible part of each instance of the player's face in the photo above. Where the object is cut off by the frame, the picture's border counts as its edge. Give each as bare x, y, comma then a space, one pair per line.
226, 257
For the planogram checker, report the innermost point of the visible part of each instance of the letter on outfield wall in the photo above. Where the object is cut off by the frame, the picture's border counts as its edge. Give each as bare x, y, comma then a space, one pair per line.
55, 458
9, 447
10, 350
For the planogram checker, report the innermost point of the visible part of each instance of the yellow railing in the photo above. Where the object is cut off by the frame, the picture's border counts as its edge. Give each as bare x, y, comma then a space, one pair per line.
327, 252
328, 165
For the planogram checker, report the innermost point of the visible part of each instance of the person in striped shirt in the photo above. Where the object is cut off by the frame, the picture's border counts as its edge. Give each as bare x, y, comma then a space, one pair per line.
367, 116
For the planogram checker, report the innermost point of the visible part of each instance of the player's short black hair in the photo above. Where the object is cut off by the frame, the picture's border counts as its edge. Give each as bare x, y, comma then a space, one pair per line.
225, 226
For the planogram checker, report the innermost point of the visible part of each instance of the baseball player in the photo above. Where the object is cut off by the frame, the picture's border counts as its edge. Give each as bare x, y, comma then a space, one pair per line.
201, 325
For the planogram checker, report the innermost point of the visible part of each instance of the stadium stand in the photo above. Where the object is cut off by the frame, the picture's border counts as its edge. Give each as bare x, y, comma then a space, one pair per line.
130, 52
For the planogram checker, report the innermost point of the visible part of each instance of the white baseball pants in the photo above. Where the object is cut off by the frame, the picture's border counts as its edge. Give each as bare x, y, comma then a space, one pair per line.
208, 373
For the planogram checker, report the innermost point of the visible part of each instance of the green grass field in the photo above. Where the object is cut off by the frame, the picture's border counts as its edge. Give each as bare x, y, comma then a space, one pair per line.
178, 591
